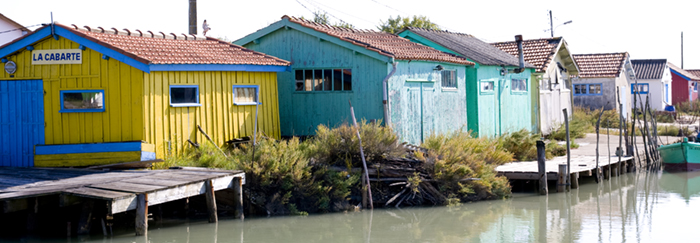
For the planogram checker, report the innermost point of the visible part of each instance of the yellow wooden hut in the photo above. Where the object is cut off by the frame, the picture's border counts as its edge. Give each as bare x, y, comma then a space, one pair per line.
81, 96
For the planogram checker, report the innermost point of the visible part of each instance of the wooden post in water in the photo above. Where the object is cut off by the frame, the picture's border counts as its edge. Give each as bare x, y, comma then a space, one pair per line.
598, 176
211, 201
141, 214
541, 167
85, 218
362, 153
238, 197
574, 180
563, 178
568, 150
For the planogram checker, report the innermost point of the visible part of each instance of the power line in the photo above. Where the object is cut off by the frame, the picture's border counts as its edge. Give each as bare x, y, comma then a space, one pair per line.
387, 6
341, 12
326, 12
24, 28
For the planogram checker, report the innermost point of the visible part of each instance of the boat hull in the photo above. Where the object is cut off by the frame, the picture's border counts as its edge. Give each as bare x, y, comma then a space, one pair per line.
683, 156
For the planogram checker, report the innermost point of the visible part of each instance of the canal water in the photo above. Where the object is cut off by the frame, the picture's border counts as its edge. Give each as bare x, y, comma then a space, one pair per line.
634, 207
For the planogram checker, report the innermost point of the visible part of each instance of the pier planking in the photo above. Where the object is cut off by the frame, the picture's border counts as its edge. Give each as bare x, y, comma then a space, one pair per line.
580, 165
119, 189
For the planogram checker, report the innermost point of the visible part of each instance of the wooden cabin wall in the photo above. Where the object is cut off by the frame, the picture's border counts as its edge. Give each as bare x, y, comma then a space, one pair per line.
420, 106
122, 119
302, 111
500, 111
169, 128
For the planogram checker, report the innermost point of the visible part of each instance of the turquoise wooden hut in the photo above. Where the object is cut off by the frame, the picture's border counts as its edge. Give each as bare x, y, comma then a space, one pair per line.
416, 89
498, 91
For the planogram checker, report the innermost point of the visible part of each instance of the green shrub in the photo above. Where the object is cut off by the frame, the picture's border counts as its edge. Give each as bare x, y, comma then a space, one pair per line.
672, 130
522, 144
340, 146
458, 156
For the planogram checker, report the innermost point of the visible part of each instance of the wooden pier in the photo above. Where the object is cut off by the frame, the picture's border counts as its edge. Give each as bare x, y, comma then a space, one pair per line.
580, 166
121, 191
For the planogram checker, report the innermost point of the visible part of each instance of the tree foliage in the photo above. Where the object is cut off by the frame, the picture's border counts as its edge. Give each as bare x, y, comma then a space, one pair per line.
322, 18
394, 25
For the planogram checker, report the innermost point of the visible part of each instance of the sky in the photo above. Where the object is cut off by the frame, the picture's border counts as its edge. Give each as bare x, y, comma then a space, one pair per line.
644, 29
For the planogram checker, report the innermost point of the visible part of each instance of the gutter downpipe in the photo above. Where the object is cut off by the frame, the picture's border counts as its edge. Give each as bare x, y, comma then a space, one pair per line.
385, 101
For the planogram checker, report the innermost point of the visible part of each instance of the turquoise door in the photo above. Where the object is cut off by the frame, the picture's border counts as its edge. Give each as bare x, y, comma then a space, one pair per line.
21, 121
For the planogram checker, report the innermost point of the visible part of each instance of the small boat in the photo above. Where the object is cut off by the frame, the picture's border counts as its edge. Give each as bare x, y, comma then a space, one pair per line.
683, 156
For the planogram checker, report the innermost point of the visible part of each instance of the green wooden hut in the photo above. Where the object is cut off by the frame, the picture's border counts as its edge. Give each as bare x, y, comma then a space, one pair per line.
414, 88
498, 92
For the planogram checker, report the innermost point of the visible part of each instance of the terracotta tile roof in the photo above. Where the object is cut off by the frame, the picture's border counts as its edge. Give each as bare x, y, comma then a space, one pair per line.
603, 65
469, 47
692, 74
538, 52
384, 43
649, 68
160, 48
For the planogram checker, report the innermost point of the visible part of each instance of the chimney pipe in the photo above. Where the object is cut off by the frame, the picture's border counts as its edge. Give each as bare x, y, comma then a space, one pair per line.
521, 57
193, 17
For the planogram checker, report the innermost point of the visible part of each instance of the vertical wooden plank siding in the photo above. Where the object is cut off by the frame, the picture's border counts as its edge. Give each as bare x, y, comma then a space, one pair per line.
123, 115
170, 127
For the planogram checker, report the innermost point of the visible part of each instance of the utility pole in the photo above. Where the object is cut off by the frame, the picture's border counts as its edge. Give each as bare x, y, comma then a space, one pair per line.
681, 49
193, 17
551, 24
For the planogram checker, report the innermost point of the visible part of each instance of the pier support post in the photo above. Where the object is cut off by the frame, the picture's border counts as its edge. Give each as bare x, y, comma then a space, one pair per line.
238, 197
606, 172
541, 168
563, 178
211, 201
85, 218
574, 180
141, 214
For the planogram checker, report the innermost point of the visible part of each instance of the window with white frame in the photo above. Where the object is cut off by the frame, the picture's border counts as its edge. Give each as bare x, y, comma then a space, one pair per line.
334, 79
449, 79
486, 85
184, 95
518, 85
245, 95
82, 100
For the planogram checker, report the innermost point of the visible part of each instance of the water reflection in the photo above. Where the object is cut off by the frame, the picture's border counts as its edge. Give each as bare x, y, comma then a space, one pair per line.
637, 207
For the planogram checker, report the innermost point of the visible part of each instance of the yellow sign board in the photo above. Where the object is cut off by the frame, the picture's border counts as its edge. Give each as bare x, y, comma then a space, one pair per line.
57, 56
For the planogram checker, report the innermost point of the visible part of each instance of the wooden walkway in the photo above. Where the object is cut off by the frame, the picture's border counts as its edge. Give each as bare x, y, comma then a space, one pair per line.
120, 190
580, 166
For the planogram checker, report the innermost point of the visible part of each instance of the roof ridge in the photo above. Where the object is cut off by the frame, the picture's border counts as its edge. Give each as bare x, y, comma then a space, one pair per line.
589, 54
136, 33
539, 39
440, 31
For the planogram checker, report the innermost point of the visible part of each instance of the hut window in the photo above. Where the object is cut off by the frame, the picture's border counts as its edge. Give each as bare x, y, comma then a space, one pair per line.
487, 85
641, 89
184, 95
311, 80
245, 95
588, 89
518, 85
82, 101
449, 79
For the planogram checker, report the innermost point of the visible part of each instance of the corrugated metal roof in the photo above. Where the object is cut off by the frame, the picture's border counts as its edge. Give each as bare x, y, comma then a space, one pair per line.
469, 47
649, 68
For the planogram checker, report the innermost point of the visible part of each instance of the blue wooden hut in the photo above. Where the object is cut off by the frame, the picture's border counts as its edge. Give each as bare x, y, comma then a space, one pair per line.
416, 89
498, 94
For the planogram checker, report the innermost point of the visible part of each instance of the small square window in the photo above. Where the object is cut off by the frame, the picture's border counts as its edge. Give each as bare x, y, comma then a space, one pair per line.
184, 95
580, 89
487, 86
82, 101
640, 88
595, 89
245, 95
449, 79
518, 85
